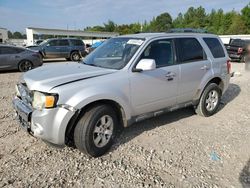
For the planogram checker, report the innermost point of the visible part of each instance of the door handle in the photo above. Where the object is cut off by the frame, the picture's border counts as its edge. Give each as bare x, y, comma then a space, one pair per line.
170, 76
205, 67
17, 56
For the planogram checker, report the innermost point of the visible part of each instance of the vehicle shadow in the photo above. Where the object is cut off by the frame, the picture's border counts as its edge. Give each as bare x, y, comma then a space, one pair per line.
232, 92
138, 128
54, 60
165, 119
9, 71
244, 177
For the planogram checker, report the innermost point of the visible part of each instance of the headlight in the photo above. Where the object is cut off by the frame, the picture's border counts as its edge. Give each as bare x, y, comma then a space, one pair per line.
17, 91
42, 100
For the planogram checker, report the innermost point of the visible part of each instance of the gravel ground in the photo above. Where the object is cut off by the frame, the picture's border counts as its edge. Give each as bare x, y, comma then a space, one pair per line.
179, 149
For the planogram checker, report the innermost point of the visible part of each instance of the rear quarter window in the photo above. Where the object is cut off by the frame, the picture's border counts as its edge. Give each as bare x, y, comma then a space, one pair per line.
77, 42
215, 47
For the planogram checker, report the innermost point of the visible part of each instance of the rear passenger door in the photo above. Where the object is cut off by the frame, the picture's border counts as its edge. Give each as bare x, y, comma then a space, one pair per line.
64, 47
194, 65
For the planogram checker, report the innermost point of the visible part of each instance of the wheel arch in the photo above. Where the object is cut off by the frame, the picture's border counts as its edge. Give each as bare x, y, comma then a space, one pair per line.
217, 80
69, 133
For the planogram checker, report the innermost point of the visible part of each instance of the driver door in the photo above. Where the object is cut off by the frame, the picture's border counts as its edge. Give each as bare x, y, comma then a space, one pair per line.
52, 50
156, 89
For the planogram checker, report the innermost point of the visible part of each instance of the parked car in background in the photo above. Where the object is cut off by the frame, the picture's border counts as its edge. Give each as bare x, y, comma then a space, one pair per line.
16, 58
94, 46
69, 48
237, 49
125, 80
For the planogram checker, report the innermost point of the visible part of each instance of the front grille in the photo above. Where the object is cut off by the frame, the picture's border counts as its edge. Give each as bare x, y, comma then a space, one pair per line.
25, 94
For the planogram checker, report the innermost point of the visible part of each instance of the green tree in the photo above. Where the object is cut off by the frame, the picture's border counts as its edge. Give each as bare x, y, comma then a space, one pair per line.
161, 23
110, 26
227, 22
178, 22
195, 18
214, 21
238, 26
17, 35
246, 16
10, 36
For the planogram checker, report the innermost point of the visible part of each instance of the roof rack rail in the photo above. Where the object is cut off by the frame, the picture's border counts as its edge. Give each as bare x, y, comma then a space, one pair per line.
187, 30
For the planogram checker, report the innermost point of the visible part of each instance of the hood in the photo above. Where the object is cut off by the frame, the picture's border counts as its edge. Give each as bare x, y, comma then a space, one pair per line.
35, 48
50, 76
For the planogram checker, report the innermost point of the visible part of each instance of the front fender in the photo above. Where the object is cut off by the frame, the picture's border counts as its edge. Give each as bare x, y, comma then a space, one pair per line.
90, 95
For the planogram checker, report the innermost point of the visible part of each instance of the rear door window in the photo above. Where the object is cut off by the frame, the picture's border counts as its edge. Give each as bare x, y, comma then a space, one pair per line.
215, 47
189, 50
77, 42
63, 42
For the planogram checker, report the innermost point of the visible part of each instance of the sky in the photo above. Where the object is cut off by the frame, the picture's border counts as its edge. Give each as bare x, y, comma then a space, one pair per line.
16, 15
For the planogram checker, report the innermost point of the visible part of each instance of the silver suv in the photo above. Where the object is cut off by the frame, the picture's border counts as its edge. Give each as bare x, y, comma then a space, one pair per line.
127, 79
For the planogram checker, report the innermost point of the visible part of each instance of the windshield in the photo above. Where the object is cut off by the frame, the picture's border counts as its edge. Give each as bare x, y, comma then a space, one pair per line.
115, 53
42, 43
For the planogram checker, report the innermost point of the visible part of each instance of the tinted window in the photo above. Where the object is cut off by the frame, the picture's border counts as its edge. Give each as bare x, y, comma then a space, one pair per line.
189, 49
77, 43
53, 42
161, 51
8, 50
237, 42
215, 47
63, 43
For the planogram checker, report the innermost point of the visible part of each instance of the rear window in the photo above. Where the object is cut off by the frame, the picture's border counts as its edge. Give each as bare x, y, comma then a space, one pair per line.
77, 42
189, 50
237, 42
215, 47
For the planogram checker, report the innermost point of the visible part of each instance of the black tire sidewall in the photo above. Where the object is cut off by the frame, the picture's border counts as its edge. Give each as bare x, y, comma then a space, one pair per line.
20, 64
87, 124
209, 88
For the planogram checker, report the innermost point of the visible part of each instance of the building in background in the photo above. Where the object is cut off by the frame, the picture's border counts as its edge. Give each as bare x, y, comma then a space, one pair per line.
90, 36
3, 35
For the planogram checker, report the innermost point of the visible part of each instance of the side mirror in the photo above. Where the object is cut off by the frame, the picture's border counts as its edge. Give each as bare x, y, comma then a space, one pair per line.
48, 44
145, 65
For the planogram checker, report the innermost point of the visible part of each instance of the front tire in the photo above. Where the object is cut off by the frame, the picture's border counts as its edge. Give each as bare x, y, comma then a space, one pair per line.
209, 101
95, 131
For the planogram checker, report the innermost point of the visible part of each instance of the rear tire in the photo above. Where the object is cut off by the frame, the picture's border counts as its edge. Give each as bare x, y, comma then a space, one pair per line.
209, 101
75, 56
25, 65
95, 131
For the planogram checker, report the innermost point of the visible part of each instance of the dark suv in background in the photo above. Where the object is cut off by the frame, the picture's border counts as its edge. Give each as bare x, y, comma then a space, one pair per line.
237, 49
69, 48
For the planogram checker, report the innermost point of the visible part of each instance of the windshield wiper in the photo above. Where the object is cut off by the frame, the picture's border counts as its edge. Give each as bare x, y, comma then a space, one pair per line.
93, 65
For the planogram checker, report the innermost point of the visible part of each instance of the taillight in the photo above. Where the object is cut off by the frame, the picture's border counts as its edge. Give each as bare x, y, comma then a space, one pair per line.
240, 50
229, 66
